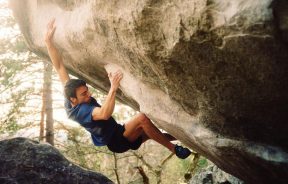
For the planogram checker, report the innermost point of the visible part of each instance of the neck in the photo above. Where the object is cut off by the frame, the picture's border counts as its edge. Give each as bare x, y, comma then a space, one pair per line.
73, 104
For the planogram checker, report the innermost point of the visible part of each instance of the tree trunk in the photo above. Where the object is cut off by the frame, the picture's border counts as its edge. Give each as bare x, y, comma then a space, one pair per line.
116, 168
41, 134
48, 103
143, 174
188, 175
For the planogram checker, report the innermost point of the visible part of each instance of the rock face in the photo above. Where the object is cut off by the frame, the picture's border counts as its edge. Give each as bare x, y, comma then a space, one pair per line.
26, 161
213, 175
213, 73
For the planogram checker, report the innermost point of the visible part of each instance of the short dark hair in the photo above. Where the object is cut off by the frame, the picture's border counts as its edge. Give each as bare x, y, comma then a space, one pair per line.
71, 86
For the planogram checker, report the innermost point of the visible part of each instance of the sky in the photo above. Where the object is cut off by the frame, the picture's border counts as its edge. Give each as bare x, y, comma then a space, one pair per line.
59, 112
4, 12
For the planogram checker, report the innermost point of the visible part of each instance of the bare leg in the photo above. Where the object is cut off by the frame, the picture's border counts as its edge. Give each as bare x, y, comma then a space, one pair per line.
170, 137
141, 125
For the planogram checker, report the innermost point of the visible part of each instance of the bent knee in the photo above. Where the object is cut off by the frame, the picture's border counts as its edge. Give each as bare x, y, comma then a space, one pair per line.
144, 121
143, 118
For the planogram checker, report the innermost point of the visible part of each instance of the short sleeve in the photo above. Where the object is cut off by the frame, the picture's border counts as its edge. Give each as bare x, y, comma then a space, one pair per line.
84, 114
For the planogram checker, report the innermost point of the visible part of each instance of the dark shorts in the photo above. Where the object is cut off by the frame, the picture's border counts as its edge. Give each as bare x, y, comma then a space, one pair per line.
119, 143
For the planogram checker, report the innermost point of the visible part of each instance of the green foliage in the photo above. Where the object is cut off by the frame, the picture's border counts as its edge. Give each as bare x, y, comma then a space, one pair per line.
202, 163
178, 167
10, 119
15, 62
12, 127
185, 164
6, 18
9, 69
20, 46
79, 149
15, 58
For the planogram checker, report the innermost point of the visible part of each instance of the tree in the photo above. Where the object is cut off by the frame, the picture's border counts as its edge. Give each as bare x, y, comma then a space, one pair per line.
20, 74
14, 60
48, 103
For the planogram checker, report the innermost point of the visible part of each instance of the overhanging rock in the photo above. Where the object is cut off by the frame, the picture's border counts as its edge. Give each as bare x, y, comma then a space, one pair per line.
213, 73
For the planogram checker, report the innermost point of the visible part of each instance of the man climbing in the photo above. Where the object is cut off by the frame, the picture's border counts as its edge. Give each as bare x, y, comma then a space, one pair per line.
96, 119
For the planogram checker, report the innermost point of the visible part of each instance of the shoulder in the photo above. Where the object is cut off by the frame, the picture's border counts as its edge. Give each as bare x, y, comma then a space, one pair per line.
83, 112
67, 103
85, 107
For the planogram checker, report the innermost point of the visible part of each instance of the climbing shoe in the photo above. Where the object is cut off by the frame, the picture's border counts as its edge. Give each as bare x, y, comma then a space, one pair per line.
182, 152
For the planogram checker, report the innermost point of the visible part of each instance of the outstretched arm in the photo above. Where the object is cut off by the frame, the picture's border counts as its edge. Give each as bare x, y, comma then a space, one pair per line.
54, 55
107, 108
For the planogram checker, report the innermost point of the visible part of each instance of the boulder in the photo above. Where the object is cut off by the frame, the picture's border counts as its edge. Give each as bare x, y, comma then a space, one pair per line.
213, 175
213, 73
26, 161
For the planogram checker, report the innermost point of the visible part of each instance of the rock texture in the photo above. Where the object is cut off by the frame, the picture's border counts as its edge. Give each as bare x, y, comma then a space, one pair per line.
213, 175
26, 161
213, 73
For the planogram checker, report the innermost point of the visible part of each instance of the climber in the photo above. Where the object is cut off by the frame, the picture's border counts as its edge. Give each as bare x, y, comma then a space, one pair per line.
96, 119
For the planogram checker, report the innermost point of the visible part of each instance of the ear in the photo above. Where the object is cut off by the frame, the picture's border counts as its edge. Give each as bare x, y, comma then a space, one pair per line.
73, 100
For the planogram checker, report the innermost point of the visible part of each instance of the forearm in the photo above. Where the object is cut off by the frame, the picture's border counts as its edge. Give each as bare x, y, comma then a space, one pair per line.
109, 104
54, 56
57, 62
107, 108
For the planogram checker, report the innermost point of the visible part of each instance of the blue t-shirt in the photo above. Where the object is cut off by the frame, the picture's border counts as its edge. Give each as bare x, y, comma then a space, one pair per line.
101, 130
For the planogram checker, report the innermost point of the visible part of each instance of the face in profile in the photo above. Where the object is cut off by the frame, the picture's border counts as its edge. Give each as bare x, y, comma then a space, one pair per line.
83, 95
